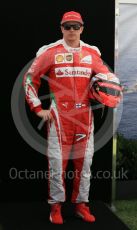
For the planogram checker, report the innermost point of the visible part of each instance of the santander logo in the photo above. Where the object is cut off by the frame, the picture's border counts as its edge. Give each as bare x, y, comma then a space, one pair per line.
73, 72
59, 72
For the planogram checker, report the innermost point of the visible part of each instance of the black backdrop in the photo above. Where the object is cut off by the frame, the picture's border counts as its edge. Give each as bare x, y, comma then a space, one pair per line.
26, 27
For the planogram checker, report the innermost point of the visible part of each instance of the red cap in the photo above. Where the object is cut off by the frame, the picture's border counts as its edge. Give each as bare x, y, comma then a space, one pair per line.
72, 16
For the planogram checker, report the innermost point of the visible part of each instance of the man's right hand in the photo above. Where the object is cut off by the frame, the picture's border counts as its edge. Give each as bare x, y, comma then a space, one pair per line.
45, 115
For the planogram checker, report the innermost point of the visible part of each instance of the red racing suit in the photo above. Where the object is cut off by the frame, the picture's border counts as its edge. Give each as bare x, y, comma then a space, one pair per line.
68, 72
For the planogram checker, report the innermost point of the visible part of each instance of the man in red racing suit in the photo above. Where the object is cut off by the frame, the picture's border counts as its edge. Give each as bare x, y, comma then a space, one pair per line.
68, 64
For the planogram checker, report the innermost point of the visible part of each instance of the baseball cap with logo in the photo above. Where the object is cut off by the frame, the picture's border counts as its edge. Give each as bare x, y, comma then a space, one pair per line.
72, 16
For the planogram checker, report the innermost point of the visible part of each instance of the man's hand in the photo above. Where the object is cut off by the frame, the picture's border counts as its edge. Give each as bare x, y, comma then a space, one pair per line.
45, 115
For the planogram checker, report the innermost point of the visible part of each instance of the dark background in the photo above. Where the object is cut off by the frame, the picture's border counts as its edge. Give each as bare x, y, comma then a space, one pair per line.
26, 27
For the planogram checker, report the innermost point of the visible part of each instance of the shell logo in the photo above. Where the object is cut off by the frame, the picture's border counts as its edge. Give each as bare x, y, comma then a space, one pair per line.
59, 58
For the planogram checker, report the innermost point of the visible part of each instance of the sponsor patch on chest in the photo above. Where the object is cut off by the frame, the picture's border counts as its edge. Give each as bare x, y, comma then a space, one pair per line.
63, 58
73, 72
87, 59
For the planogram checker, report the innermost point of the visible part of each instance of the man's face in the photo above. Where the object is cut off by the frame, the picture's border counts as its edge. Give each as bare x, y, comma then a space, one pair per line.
71, 30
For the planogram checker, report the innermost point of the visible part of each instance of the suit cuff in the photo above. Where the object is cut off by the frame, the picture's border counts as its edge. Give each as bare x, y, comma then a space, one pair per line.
37, 109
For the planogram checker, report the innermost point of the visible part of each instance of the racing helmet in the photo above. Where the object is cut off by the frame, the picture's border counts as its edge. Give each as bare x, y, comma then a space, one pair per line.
106, 89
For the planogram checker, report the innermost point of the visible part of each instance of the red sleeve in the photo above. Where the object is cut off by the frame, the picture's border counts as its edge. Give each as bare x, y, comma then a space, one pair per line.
39, 67
98, 65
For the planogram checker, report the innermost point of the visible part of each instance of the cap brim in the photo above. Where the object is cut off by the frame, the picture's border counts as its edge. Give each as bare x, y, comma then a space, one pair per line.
72, 20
